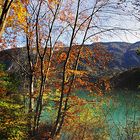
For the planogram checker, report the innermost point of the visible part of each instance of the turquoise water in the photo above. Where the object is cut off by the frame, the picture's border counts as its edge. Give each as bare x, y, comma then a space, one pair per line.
124, 115
122, 111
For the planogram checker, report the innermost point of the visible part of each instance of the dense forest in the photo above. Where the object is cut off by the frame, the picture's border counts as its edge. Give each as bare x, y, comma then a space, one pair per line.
59, 79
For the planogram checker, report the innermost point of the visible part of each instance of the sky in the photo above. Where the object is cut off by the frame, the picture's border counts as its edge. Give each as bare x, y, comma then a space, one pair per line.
122, 19
130, 23
119, 17
115, 18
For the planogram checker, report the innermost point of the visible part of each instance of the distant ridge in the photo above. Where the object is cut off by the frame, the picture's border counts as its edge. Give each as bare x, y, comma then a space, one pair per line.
124, 55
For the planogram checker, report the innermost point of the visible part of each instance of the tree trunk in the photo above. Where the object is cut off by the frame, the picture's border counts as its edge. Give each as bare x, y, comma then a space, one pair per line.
4, 15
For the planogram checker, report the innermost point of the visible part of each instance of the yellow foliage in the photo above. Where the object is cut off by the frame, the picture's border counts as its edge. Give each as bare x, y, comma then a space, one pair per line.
85, 119
76, 72
18, 14
53, 1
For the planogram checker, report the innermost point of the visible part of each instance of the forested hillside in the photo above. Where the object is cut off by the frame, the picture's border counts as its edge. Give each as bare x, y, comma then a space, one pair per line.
124, 55
67, 71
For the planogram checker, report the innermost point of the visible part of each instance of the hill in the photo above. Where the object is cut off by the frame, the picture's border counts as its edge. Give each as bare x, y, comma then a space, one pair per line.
124, 55
127, 80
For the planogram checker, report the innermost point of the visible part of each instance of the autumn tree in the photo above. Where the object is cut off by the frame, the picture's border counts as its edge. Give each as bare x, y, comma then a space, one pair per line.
55, 33
12, 122
4, 12
61, 20
10, 10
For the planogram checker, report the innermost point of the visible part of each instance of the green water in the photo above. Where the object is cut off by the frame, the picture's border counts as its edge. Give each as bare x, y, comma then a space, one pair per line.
122, 111
124, 115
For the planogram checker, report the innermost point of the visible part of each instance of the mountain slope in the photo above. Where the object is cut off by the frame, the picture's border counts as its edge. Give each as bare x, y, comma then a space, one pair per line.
124, 55
127, 80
